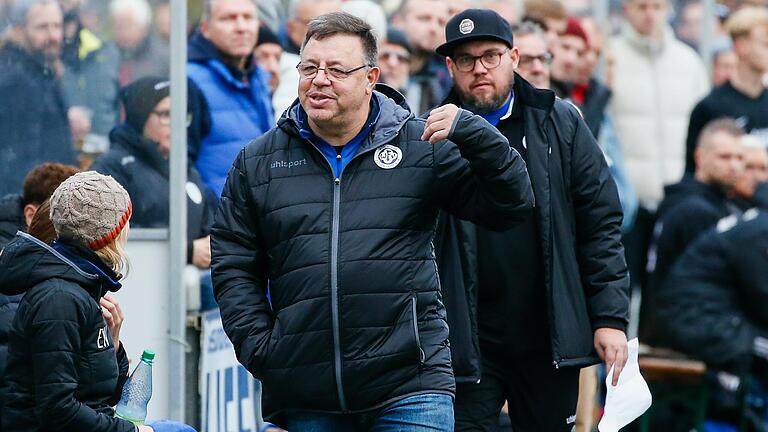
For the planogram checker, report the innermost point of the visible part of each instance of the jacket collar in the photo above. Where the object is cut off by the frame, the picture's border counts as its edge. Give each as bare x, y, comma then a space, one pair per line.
15, 55
529, 97
131, 141
202, 50
87, 261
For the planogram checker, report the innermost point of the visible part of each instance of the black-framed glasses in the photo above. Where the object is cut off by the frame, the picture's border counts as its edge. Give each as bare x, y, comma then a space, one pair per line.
164, 117
489, 60
545, 58
310, 71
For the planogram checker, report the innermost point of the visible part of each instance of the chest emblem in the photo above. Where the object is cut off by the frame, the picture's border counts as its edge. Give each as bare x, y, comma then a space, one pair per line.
388, 156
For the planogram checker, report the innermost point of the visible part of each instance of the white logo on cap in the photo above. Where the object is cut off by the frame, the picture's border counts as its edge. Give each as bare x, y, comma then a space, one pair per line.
466, 26
388, 156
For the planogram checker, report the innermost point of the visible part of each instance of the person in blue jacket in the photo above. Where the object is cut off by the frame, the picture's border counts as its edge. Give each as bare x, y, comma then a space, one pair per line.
235, 88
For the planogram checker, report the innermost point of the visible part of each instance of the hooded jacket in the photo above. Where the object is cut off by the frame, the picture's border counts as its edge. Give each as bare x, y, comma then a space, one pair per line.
137, 164
63, 372
34, 126
579, 219
240, 109
354, 319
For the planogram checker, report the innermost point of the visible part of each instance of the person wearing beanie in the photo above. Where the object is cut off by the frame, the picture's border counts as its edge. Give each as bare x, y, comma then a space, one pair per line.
569, 51
267, 54
65, 358
530, 306
138, 159
395, 60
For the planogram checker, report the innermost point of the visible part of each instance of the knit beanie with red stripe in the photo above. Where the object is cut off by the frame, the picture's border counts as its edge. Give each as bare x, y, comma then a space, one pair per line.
90, 208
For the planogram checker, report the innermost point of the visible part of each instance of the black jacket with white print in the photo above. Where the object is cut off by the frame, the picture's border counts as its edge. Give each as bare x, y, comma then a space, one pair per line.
63, 372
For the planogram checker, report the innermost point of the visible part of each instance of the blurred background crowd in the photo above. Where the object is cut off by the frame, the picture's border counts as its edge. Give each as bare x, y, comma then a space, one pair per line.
673, 90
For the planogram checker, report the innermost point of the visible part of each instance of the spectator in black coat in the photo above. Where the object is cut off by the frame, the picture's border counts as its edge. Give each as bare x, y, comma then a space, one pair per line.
65, 358
698, 206
33, 115
700, 201
138, 159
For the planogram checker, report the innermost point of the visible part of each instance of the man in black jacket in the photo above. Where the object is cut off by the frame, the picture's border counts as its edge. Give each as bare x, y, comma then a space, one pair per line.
323, 265
34, 127
692, 206
552, 294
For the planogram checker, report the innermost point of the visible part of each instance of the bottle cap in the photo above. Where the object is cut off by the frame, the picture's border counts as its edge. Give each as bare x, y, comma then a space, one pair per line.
148, 355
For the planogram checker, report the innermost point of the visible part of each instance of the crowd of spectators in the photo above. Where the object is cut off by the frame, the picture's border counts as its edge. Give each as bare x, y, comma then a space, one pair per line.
85, 83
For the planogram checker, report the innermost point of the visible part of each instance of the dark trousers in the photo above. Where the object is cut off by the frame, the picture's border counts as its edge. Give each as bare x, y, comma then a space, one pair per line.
636, 244
540, 398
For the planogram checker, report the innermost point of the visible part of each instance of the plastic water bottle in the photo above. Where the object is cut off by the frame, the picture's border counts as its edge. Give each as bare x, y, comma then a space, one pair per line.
137, 391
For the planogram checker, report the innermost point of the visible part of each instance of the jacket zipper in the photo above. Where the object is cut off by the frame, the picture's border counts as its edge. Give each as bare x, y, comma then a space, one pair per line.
335, 273
422, 356
335, 290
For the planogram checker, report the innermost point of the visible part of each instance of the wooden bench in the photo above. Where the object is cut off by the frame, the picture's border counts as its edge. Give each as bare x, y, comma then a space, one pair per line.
674, 379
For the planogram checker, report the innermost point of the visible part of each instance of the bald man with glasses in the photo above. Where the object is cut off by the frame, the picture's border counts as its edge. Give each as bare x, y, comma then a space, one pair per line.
530, 306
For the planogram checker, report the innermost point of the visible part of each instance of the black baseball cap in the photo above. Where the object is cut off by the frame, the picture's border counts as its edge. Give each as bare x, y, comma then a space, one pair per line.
474, 24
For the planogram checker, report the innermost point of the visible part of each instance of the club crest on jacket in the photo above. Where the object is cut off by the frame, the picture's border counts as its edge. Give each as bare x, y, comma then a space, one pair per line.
388, 156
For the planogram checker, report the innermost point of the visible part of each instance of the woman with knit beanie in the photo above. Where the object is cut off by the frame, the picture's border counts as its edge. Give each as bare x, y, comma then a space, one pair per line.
66, 364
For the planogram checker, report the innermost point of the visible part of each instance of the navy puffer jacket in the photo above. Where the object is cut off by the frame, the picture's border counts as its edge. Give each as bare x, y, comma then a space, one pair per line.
355, 318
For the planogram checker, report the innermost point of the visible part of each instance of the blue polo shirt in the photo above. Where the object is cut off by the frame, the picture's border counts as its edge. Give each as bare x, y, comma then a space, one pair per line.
339, 160
504, 111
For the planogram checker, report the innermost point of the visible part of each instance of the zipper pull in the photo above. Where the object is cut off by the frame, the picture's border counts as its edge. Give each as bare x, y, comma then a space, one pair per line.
337, 181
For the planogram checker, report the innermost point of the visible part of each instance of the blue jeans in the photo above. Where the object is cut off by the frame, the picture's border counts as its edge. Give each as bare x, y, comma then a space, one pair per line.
422, 413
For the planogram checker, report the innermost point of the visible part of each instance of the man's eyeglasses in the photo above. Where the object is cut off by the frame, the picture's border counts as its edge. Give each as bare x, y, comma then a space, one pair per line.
164, 117
386, 55
489, 60
310, 71
545, 58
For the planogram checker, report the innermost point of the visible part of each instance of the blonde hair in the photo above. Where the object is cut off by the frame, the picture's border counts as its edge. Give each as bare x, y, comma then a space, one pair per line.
740, 24
113, 254
542, 10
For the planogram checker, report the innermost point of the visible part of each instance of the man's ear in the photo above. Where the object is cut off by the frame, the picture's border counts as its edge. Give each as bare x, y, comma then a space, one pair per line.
449, 65
204, 28
29, 212
514, 54
373, 78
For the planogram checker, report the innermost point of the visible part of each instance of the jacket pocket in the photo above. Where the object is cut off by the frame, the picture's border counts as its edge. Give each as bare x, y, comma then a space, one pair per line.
415, 322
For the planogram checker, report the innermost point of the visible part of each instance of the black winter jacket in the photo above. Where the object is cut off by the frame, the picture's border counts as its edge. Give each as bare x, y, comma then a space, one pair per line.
354, 318
11, 217
713, 303
63, 373
137, 164
579, 218
682, 223
34, 127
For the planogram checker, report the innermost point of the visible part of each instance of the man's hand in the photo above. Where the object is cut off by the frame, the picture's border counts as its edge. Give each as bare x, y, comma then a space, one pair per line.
439, 123
79, 122
113, 315
201, 252
611, 346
